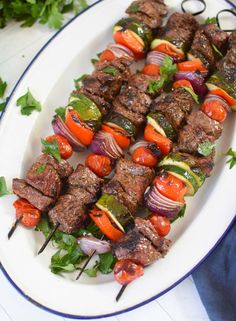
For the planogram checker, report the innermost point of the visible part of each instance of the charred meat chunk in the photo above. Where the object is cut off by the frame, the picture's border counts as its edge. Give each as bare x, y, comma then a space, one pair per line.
146, 228
44, 178
216, 36
32, 195
175, 106
136, 247
141, 82
150, 12
63, 168
199, 129
227, 67
84, 178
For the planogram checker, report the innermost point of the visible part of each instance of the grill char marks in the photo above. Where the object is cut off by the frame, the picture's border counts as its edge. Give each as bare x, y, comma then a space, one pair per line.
129, 183
175, 106
150, 12
199, 129
70, 209
32, 195
141, 244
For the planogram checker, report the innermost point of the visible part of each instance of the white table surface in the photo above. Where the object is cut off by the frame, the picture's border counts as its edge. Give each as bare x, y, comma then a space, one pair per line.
17, 48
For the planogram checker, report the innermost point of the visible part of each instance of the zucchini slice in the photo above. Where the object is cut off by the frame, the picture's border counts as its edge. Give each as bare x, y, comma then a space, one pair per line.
87, 109
161, 124
117, 212
117, 120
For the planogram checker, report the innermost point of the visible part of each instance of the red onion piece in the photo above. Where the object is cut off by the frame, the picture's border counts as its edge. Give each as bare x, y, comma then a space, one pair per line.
104, 144
60, 128
160, 204
155, 57
213, 97
88, 244
120, 50
196, 79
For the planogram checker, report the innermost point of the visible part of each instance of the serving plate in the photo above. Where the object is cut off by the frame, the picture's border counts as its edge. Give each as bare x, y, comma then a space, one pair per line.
209, 215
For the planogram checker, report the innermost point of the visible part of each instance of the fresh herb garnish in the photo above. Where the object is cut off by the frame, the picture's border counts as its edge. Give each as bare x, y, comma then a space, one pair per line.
167, 70
78, 82
41, 169
192, 93
232, 160
180, 214
2, 105
28, 104
30, 11
134, 8
61, 112
205, 148
68, 254
51, 149
3, 86
3, 187
110, 70
210, 20
94, 61
105, 265
217, 50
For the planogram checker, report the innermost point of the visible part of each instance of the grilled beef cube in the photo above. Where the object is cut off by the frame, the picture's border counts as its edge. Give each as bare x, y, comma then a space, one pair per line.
113, 187
134, 178
134, 246
84, 178
148, 11
137, 119
63, 168
70, 209
180, 29
205, 164
146, 228
101, 103
227, 67
141, 82
36, 198
44, 178
199, 129
232, 40
201, 48
135, 100
175, 106
216, 36
120, 64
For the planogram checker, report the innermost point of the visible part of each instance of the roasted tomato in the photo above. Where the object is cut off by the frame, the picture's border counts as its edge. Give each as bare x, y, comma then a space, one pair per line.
99, 164
125, 271
64, 146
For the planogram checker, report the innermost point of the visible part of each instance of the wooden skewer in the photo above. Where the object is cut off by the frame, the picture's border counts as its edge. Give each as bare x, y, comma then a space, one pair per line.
121, 292
49, 238
14, 226
87, 261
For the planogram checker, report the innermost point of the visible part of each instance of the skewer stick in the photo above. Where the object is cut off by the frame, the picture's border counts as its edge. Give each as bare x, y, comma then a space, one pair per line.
87, 262
49, 238
14, 226
121, 292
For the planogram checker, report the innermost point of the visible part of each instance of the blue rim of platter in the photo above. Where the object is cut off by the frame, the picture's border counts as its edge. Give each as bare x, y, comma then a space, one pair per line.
71, 316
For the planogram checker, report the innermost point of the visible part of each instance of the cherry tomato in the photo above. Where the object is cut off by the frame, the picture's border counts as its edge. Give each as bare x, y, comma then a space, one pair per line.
161, 224
151, 70
64, 146
99, 164
167, 49
151, 135
120, 136
191, 65
30, 215
107, 55
101, 219
144, 156
125, 271
129, 39
170, 186
215, 110
182, 83
80, 130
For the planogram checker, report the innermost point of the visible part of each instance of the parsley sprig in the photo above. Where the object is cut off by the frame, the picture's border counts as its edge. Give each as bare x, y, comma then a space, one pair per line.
206, 148
30, 11
167, 70
51, 149
232, 160
28, 104
3, 187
